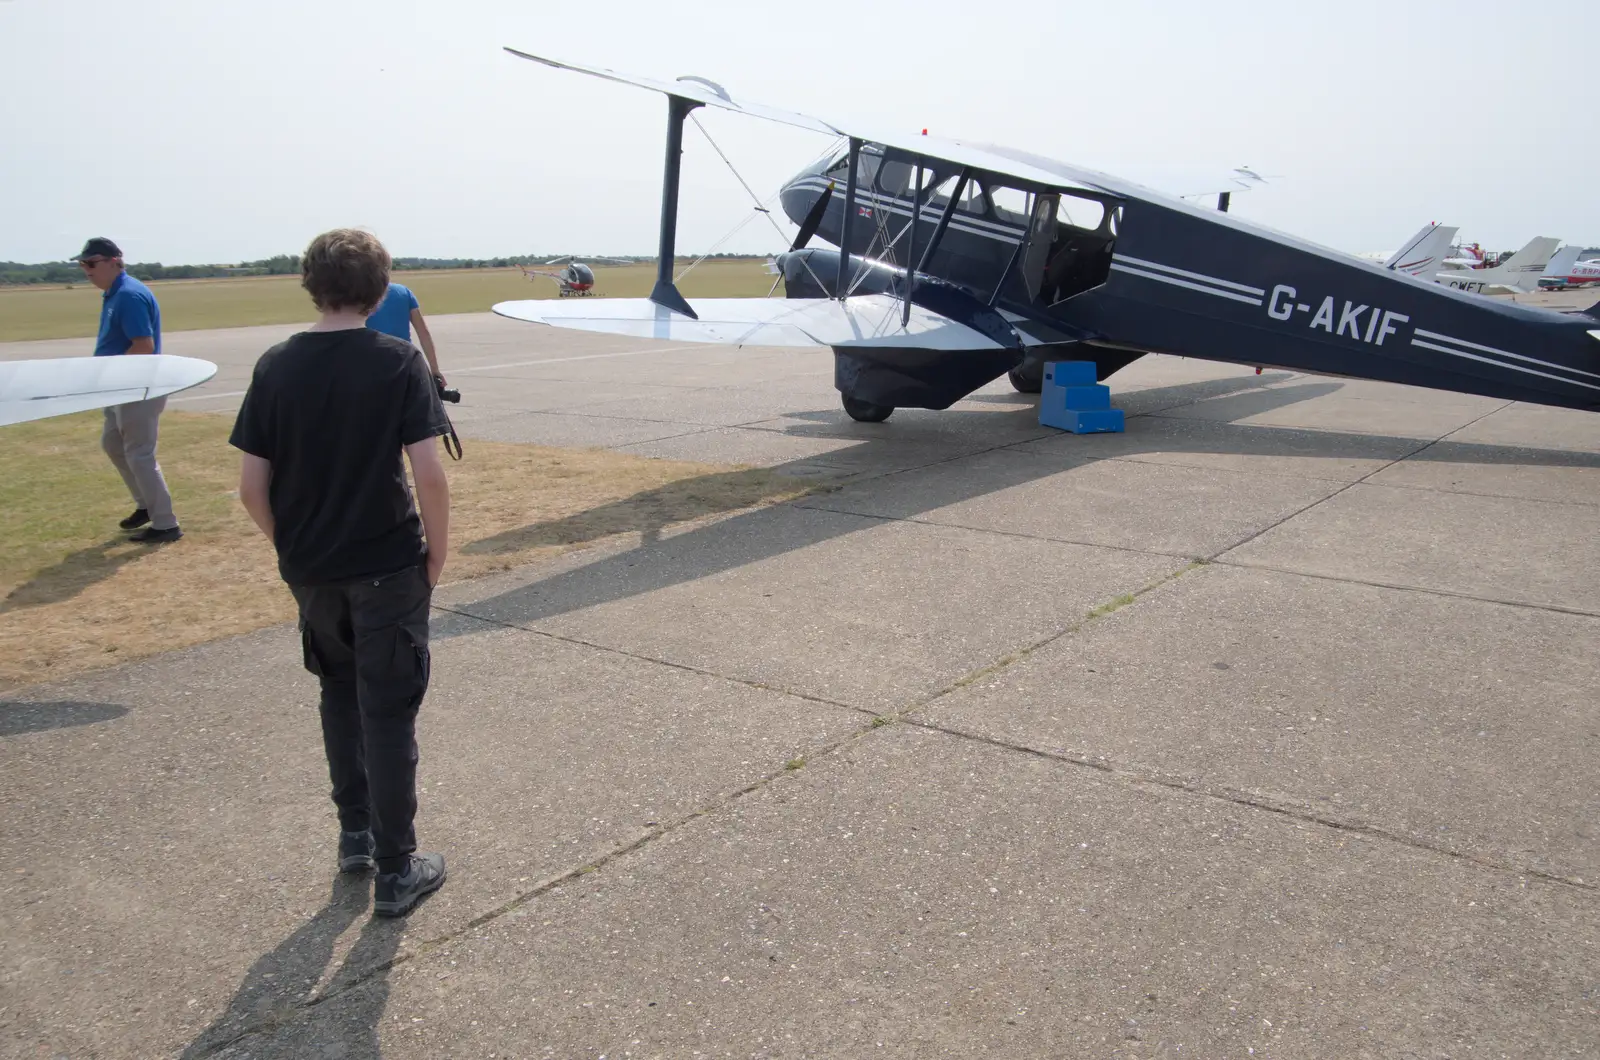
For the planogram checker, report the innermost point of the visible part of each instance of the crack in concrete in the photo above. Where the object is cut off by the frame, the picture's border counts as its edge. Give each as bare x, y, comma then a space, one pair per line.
1237, 797
1558, 609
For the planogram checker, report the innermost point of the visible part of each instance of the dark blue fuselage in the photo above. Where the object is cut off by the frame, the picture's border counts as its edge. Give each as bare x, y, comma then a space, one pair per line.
1123, 275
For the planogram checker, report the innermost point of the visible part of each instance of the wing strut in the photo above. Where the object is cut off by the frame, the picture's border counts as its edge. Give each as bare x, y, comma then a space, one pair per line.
911, 246
666, 292
849, 215
944, 218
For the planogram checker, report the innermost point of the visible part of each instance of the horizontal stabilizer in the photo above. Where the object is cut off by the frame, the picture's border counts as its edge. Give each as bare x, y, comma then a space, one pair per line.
865, 320
57, 386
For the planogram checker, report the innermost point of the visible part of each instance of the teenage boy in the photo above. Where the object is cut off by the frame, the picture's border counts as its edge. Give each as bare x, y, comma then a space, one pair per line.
322, 427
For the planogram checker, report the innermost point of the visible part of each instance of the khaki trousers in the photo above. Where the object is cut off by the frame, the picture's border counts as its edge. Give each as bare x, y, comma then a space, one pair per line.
129, 439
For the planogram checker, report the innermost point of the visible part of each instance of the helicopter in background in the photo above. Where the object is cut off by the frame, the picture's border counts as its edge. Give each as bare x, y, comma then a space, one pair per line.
577, 279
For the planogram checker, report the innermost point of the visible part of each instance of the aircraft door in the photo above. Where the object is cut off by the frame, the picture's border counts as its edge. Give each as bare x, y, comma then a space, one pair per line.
1041, 234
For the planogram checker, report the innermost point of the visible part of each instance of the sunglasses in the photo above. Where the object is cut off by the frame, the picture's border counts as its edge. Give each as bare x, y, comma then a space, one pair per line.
89, 264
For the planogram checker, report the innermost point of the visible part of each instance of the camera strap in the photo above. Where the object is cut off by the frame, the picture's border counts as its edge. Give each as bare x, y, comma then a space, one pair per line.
452, 443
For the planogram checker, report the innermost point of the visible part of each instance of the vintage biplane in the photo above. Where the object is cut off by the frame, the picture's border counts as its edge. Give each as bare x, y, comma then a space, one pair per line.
960, 262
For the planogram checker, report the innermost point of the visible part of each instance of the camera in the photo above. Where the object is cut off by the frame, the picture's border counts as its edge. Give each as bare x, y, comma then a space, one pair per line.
446, 393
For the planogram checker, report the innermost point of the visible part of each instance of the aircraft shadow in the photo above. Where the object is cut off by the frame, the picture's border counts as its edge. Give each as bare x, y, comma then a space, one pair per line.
17, 718
277, 987
648, 512
72, 574
769, 532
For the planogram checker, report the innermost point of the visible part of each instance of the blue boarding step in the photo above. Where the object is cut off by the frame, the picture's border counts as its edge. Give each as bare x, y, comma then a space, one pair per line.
1092, 421
1071, 400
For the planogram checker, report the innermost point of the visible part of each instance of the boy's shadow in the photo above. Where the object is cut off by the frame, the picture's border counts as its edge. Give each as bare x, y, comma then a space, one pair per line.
269, 1004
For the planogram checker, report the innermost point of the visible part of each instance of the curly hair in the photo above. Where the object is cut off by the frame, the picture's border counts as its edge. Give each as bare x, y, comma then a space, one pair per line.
345, 269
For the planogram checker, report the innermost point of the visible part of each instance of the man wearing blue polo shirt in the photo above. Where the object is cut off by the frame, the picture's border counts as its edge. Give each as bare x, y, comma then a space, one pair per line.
130, 324
397, 314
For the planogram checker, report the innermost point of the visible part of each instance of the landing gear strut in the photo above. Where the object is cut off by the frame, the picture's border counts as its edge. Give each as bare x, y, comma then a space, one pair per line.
866, 411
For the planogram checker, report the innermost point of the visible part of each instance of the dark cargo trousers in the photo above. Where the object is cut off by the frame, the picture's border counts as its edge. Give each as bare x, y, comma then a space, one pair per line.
367, 641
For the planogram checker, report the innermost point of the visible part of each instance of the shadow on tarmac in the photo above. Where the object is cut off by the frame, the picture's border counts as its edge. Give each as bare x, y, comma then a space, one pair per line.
772, 531
282, 984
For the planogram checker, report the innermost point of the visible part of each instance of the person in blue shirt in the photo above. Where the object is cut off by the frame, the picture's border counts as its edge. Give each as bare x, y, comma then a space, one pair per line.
130, 325
397, 314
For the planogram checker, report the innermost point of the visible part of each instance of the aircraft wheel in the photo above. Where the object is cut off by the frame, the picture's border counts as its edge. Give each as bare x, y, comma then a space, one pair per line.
1026, 382
866, 411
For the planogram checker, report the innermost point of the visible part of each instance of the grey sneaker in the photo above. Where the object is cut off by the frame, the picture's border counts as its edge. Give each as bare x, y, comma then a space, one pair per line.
395, 893
355, 852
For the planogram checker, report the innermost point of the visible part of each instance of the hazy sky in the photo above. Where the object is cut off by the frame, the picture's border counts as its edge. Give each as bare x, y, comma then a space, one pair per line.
203, 131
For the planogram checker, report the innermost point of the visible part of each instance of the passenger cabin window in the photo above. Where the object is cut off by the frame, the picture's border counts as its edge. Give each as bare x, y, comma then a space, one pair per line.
972, 199
1012, 205
1080, 213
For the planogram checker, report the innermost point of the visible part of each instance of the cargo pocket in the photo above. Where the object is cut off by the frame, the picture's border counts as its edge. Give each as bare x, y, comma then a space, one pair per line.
411, 667
308, 651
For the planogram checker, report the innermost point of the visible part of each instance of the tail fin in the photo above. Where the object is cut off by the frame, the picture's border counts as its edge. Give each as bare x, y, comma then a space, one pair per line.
1562, 263
1424, 252
1528, 263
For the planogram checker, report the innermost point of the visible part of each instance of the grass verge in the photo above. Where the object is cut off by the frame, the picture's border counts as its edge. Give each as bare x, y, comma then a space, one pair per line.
39, 312
78, 596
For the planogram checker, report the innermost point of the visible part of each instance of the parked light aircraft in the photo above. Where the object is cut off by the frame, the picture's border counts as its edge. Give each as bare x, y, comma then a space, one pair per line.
1423, 253
959, 262
1571, 267
1520, 272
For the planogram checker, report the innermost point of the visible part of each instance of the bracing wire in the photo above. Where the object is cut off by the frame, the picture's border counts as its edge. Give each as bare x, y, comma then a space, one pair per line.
762, 208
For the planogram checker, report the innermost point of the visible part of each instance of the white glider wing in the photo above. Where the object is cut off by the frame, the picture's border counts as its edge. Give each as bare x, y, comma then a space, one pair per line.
869, 320
34, 390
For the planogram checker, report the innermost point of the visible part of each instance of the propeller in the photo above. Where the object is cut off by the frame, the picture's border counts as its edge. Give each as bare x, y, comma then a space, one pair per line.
813, 221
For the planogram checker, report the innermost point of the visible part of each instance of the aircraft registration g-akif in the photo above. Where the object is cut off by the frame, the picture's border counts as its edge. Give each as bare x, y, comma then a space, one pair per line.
961, 262
57, 386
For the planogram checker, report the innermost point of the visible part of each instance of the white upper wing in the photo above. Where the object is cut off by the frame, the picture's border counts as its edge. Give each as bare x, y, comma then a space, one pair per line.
863, 320
708, 92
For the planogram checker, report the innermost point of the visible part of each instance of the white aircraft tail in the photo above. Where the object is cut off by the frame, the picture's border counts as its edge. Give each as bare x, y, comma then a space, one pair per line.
1562, 263
1424, 253
1519, 273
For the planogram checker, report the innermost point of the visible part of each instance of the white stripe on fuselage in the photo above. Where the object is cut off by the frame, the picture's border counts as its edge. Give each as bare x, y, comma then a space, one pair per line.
1502, 353
1176, 282
977, 226
1504, 364
1202, 277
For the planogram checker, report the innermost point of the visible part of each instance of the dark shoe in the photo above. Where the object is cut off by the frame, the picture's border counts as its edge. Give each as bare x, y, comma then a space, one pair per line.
136, 520
152, 536
394, 893
355, 852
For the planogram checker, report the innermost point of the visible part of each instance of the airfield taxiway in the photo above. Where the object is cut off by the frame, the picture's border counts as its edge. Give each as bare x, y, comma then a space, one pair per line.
1268, 727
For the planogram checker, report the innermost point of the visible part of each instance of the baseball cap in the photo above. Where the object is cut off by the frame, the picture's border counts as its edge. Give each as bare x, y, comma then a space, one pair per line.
99, 247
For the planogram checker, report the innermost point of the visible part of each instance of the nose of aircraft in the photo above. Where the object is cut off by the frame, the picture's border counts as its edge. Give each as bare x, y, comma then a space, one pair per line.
800, 194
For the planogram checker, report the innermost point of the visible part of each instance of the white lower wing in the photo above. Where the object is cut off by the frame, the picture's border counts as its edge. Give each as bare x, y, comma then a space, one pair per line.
867, 320
33, 390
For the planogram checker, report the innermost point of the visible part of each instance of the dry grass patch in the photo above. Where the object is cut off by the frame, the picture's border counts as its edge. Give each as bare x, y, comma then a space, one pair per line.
78, 596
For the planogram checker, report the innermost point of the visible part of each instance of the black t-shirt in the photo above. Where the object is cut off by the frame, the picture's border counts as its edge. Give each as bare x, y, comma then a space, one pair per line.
331, 411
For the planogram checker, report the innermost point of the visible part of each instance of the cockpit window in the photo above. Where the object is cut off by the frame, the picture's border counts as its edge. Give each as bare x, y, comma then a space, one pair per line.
894, 178
1012, 205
